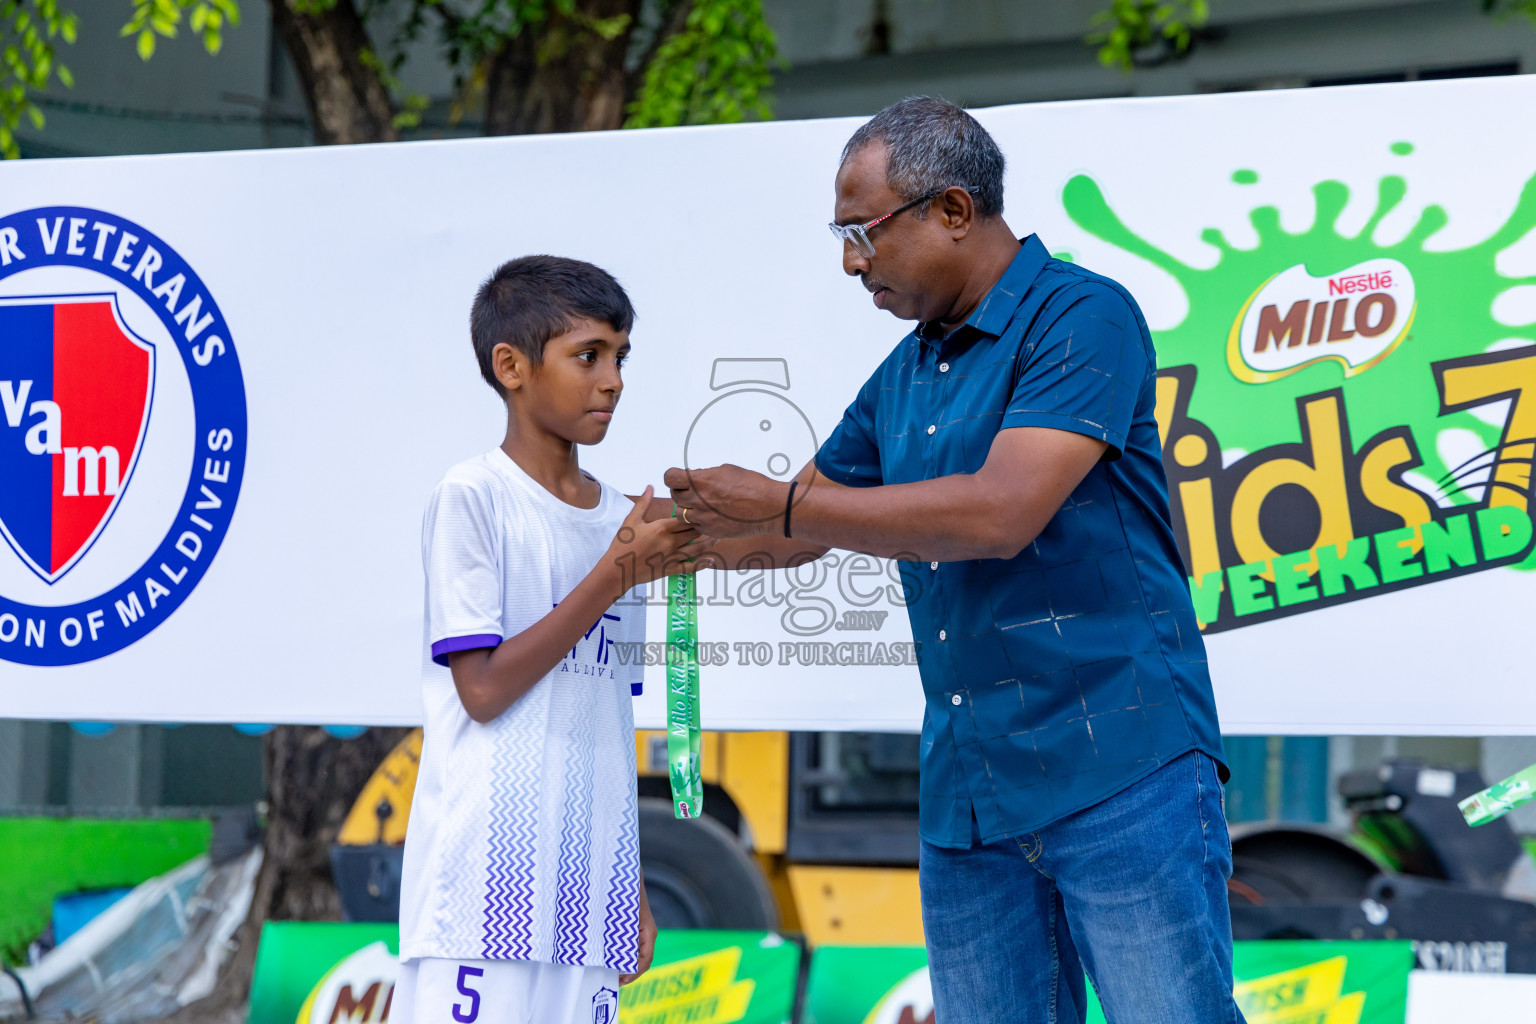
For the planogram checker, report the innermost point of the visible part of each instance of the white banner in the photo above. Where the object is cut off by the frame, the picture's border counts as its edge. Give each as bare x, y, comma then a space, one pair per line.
271, 349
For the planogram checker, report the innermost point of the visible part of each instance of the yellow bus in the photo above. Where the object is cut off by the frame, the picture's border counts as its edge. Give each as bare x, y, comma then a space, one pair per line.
816, 833
809, 832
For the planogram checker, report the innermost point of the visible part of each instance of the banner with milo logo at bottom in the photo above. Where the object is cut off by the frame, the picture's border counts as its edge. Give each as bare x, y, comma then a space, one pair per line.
1342, 416
345, 974
1276, 983
1340, 285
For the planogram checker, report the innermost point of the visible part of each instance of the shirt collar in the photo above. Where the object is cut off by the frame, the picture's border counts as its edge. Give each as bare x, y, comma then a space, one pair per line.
994, 312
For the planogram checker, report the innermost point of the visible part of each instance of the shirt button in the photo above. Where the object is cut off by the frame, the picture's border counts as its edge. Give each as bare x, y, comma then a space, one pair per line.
943, 635
932, 428
933, 565
955, 700
943, 367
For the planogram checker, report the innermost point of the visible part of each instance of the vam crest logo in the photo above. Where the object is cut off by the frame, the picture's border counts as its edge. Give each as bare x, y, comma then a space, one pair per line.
65, 479
122, 433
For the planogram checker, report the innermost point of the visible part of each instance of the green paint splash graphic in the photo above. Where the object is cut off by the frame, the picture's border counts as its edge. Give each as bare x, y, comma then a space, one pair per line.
1456, 291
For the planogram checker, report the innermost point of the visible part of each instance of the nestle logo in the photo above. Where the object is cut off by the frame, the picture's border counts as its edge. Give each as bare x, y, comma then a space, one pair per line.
1352, 283
1354, 317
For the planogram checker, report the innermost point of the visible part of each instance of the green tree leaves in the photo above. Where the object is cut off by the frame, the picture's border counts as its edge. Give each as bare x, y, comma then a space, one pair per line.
1501, 8
1135, 32
702, 62
29, 30
716, 69
162, 18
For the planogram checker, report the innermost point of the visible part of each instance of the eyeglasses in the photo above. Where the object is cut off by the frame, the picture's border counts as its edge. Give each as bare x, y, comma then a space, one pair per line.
857, 235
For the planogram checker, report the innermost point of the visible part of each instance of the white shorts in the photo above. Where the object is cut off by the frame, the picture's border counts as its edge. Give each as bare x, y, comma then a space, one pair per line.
433, 991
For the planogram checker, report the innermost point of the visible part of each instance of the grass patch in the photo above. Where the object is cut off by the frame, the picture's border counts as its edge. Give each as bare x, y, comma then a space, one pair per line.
41, 858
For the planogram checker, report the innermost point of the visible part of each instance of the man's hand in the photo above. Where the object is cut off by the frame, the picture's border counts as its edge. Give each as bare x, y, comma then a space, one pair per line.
728, 501
647, 938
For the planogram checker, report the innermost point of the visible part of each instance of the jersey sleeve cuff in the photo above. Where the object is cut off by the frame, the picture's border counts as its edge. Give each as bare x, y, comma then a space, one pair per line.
445, 647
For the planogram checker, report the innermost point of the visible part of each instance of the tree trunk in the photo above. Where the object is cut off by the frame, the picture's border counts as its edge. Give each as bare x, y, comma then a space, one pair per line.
560, 77
312, 777
348, 100
563, 77
312, 781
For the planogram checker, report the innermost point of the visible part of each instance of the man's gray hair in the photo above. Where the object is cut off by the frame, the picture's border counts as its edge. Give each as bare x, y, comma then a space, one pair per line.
933, 145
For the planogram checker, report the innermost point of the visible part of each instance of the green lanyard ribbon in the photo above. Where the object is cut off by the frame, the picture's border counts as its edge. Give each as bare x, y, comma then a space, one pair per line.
1500, 798
684, 737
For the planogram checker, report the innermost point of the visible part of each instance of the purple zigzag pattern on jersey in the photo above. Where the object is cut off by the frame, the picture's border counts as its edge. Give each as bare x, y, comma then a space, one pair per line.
575, 893
509, 876
620, 948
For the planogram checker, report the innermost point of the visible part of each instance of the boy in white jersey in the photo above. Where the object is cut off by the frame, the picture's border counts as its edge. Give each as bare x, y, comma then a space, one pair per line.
522, 900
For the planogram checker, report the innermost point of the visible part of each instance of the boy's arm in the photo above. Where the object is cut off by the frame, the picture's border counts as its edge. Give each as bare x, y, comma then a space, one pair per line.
491, 679
770, 550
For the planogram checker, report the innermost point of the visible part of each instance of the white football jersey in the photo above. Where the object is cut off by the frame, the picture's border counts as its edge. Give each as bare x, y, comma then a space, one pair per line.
523, 841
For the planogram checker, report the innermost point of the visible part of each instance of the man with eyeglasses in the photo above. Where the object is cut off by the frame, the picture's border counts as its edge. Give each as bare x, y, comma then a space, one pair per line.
1007, 452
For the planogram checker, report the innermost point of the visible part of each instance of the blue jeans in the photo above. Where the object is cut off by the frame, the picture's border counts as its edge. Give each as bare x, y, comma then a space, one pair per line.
1132, 890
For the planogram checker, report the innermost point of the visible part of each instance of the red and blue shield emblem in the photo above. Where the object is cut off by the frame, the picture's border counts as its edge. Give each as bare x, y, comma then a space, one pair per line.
75, 386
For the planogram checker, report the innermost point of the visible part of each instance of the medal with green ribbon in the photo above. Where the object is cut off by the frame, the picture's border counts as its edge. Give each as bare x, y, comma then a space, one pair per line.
683, 733
1500, 798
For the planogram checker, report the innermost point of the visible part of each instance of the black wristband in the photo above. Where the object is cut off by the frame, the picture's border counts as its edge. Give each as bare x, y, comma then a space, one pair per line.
789, 503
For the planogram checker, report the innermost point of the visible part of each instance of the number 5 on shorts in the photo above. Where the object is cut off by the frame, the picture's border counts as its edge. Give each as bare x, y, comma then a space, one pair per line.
460, 1014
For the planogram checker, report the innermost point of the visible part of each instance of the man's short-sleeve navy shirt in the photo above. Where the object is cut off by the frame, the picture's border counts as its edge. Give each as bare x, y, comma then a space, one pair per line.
1059, 677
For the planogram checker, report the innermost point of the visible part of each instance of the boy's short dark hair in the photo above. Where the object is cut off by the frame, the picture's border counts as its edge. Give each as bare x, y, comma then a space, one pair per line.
531, 299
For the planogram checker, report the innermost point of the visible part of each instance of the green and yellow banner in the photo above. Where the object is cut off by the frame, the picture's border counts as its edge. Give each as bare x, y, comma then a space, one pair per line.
1276, 983
345, 974
1345, 410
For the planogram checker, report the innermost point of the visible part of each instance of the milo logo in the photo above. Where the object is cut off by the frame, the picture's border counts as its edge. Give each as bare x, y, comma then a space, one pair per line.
1355, 318
910, 1001
358, 990
1297, 480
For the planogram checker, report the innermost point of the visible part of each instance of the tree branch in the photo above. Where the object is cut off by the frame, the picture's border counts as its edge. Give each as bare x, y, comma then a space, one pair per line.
343, 80
673, 22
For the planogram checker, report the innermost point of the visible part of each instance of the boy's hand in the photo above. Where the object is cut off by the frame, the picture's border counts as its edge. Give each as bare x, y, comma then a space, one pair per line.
647, 938
648, 551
